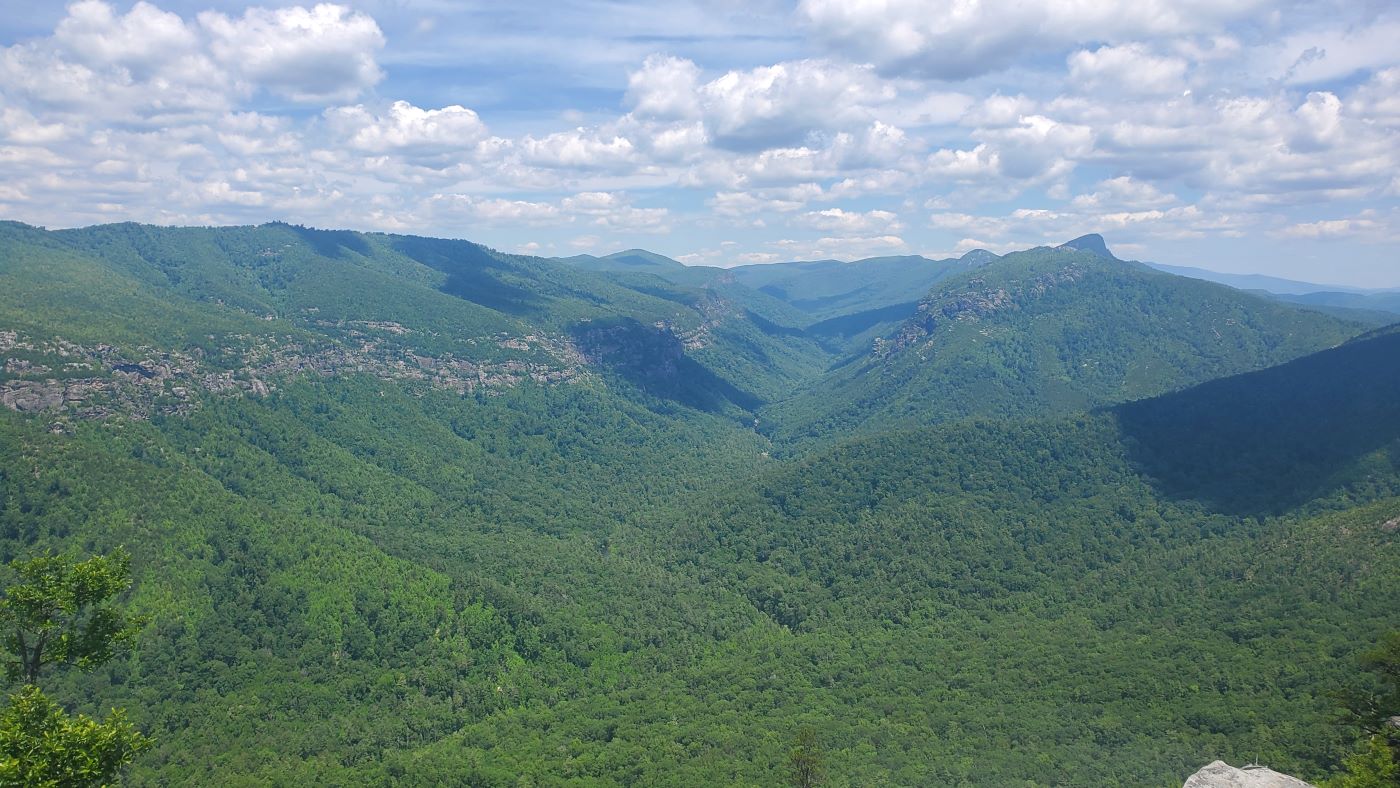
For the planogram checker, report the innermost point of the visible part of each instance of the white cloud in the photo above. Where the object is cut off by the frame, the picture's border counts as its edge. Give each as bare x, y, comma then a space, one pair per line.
141, 41
1123, 192
999, 110
325, 53
614, 212
743, 204
1316, 55
675, 143
1320, 122
757, 258
955, 40
965, 165
441, 136
628, 219
770, 106
581, 148
666, 88
1130, 68
1367, 227
1151, 120
780, 104
853, 222
494, 210
843, 247
1040, 145
878, 145
152, 65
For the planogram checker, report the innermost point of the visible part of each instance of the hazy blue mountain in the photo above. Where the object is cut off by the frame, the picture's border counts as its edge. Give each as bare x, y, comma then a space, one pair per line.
1271, 284
1387, 303
626, 260
844, 305
829, 288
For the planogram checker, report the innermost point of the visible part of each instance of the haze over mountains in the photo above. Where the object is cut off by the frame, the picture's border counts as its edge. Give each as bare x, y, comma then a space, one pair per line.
410, 510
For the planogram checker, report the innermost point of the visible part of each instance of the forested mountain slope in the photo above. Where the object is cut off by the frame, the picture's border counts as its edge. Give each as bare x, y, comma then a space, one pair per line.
845, 305
1051, 330
392, 529
827, 289
629, 260
449, 310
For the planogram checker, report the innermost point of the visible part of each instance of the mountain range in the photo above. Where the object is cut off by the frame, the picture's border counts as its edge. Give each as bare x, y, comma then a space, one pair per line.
414, 511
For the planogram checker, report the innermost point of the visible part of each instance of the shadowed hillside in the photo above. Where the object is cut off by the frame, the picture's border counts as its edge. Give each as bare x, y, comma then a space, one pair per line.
1265, 442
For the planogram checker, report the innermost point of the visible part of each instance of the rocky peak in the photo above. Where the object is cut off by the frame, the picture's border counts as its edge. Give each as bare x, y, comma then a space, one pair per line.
977, 257
1093, 243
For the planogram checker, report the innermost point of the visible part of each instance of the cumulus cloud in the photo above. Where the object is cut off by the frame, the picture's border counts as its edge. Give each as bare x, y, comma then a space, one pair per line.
745, 204
493, 210
613, 211
581, 148
1150, 120
666, 88
769, 106
1379, 97
140, 41
325, 53
428, 136
1130, 68
1123, 192
853, 222
1024, 227
964, 39
151, 64
850, 247
1368, 226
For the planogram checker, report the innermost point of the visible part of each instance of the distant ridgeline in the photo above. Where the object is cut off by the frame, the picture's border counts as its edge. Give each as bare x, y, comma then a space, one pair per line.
411, 510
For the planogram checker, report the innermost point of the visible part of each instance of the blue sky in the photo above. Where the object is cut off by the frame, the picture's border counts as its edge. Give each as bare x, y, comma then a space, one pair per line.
1238, 135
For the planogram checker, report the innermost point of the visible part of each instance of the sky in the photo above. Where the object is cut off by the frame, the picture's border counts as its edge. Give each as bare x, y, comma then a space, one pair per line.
1245, 136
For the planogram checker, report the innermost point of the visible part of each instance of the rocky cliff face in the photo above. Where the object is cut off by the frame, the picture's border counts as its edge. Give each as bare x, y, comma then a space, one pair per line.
94, 382
1222, 775
976, 301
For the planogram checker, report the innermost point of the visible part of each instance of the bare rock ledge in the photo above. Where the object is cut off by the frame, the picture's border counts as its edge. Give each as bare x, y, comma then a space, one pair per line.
1222, 775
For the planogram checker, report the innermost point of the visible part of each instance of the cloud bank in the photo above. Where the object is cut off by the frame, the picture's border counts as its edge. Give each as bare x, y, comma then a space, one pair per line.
887, 126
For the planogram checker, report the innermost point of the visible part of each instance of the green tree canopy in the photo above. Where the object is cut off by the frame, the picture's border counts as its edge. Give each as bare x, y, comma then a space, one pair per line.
61, 612
1375, 707
806, 764
41, 745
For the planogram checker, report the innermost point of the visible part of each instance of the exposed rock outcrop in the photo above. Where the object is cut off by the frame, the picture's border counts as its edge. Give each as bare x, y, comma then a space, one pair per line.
976, 301
94, 382
1222, 775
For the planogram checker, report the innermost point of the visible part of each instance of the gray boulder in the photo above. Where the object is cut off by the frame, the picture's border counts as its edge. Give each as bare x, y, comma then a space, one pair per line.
1222, 775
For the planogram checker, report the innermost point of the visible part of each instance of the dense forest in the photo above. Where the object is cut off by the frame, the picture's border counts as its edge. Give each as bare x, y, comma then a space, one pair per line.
410, 510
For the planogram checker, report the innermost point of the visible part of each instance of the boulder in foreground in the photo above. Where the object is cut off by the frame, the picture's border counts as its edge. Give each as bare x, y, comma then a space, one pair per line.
1222, 775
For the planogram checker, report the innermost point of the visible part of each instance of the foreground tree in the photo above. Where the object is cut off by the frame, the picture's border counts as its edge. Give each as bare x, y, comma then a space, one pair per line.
61, 612
1375, 709
41, 745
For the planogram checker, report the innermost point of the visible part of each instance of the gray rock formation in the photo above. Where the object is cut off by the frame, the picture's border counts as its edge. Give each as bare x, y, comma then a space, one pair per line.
1222, 775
